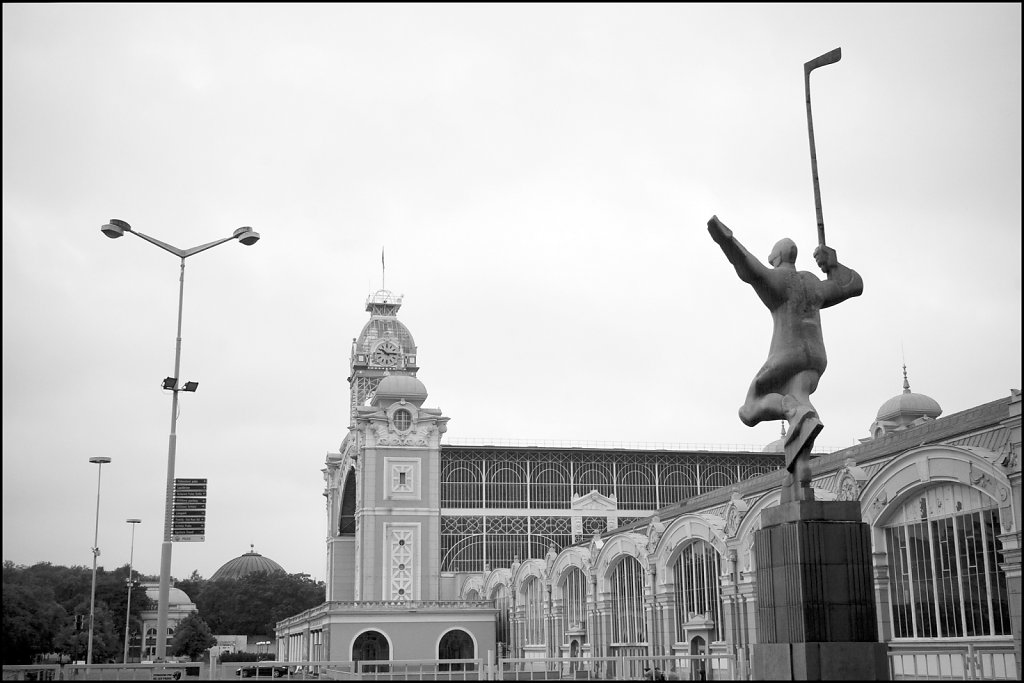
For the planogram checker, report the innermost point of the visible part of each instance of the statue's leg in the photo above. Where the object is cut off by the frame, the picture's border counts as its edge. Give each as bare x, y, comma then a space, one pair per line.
760, 406
804, 427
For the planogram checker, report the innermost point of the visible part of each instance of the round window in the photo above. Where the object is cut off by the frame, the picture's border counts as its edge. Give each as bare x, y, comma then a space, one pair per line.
403, 419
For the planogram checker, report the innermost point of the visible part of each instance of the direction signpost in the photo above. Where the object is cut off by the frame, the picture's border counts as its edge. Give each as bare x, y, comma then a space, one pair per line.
188, 516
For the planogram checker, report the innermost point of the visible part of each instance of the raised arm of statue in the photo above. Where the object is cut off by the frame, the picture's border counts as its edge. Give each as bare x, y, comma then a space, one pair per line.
842, 283
749, 268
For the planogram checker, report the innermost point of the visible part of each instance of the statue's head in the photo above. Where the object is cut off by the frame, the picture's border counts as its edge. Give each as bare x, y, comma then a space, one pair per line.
784, 251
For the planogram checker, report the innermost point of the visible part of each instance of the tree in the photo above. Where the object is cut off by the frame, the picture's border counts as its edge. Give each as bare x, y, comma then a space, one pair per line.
192, 638
31, 619
253, 604
41, 604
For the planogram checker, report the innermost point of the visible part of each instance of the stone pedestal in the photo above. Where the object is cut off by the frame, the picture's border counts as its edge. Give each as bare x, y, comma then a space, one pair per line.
815, 595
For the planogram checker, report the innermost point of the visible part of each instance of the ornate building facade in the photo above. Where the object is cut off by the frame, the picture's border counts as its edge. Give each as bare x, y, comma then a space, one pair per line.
535, 552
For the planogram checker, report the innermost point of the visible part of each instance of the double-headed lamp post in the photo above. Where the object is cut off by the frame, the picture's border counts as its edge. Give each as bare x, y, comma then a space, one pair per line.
246, 236
128, 609
101, 461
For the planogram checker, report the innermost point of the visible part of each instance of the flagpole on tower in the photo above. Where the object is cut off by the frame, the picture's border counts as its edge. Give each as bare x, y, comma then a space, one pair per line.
382, 268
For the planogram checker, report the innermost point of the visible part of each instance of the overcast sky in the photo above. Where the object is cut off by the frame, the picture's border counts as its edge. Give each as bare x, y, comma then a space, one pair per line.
539, 177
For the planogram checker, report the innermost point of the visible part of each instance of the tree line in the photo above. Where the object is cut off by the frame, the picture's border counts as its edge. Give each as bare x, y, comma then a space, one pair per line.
46, 610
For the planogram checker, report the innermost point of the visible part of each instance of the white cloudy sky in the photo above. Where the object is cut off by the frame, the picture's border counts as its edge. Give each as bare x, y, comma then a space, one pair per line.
540, 178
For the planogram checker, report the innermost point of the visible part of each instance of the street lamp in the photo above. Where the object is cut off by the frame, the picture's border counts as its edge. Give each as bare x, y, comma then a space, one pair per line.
100, 460
247, 236
128, 609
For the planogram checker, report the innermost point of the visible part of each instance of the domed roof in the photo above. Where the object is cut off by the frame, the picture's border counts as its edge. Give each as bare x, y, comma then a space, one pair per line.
908, 406
396, 387
779, 445
175, 596
246, 564
383, 324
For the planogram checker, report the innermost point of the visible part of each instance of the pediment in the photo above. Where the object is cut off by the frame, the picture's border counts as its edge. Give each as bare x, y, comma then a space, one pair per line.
594, 501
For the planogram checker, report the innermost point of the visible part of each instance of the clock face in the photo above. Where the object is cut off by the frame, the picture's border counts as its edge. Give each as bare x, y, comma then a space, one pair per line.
386, 354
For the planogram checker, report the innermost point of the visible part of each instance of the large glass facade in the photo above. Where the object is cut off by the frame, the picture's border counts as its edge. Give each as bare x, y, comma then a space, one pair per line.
501, 502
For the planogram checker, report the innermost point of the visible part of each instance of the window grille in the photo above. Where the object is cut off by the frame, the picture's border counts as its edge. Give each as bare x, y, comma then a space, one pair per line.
594, 477
627, 614
574, 598
505, 485
550, 487
592, 525
533, 603
679, 483
944, 575
403, 419
462, 484
636, 488
502, 598
697, 591
507, 538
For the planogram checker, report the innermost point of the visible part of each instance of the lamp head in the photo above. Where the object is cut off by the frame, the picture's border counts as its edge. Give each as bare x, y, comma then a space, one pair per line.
115, 228
133, 521
247, 236
100, 460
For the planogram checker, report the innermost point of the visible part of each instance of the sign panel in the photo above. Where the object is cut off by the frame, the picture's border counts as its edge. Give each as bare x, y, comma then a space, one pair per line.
185, 538
188, 516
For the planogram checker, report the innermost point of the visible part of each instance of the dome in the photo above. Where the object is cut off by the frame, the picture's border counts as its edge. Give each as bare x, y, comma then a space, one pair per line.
383, 324
908, 406
175, 596
246, 564
779, 445
396, 387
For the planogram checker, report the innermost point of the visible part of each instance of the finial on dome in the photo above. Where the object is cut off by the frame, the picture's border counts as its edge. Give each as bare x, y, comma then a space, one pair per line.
252, 548
783, 431
906, 382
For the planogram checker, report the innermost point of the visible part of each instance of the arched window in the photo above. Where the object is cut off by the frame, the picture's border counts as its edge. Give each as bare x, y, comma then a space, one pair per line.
550, 487
371, 646
636, 488
456, 644
595, 478
627, 588
506, 486
678, 483
461, 485
944, 556
347, 518
697, 591
574, 599
533, 602
503, 604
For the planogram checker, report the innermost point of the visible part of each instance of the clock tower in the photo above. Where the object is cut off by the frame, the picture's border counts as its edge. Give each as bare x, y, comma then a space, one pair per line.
383, 487
383, 348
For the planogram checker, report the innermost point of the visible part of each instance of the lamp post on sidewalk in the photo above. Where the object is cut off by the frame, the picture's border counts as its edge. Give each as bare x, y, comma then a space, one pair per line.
247, 236
128, 609
101, 460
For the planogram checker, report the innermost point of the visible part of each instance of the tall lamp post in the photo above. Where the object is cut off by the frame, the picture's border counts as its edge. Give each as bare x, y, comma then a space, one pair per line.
247, 236
128, 609
101, 460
